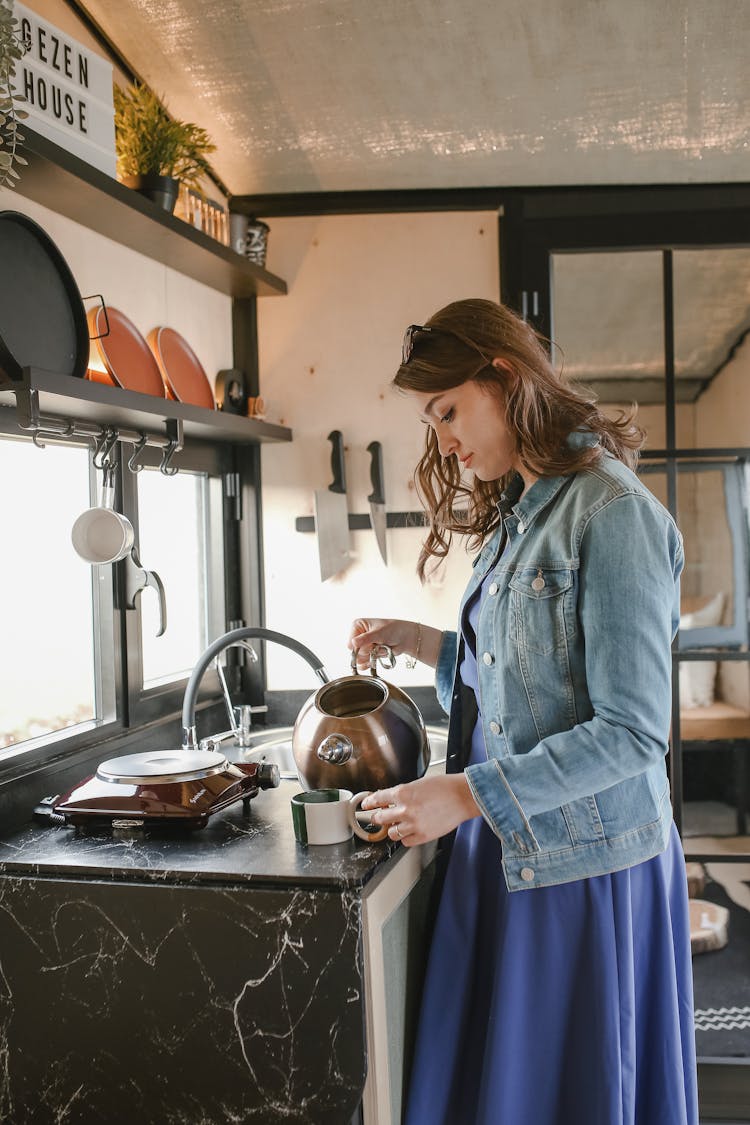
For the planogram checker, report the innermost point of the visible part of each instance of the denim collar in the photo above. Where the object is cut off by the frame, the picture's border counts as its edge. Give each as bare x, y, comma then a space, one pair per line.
527, 506
538, 496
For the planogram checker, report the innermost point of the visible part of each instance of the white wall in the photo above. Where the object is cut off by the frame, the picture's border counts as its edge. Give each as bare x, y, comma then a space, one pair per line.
328, 352
723, 411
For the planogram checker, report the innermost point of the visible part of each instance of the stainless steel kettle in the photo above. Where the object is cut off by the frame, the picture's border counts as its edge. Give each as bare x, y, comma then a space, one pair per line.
360, 732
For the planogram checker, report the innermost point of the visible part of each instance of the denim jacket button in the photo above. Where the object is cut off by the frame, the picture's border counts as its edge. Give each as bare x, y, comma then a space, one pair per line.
495, 727
493, 589
521, 527
527, 874
488, 658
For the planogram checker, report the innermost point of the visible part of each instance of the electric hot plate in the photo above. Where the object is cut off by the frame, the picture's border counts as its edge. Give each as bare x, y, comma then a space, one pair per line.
166, 788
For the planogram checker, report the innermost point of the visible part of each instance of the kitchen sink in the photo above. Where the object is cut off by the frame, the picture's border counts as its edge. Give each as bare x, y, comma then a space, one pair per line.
274, 744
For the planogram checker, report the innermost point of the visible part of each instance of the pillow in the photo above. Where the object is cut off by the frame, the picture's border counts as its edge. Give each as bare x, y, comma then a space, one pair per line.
698, 677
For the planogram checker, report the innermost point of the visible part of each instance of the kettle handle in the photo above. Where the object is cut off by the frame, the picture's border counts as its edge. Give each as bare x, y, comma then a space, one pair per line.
382, 653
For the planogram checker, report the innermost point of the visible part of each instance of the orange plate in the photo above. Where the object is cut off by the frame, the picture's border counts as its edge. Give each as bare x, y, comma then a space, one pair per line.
124, 353
180, 368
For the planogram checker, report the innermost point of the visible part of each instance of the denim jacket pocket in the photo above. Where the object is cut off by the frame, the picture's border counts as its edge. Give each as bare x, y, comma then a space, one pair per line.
542, 605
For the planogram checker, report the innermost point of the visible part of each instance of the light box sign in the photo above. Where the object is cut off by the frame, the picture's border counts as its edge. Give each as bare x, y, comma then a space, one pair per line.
68, 91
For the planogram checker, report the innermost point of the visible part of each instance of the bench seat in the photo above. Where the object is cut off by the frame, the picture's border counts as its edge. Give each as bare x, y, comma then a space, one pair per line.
719, 722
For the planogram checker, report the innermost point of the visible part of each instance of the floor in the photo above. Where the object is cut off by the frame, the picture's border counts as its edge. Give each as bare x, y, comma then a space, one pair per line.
722, 978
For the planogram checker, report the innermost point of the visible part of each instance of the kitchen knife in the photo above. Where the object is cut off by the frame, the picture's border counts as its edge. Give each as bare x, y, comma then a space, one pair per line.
377, 497
332, 516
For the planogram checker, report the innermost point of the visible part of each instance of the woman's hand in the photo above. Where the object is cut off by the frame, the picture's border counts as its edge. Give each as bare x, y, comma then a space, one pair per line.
409, 637
423, 810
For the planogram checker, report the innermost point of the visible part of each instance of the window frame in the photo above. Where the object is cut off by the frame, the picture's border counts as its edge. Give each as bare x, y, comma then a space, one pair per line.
135, 708
34, 752
150, 704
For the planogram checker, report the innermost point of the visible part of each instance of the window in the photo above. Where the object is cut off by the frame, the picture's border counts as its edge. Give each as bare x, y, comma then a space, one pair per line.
79, 646
54, 608
173, 526
712, 515
644, 293
179, 523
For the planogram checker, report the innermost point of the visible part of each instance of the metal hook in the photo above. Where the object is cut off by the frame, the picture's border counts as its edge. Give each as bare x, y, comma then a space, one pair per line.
175, 431
108, 478
66, 431
104, 446
138, 447
169, 452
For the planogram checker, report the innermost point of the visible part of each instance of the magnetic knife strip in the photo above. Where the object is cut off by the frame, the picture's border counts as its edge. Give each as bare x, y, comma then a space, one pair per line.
361, 522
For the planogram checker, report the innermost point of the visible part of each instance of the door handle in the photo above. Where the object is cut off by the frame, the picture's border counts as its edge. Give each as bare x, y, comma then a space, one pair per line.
137, 578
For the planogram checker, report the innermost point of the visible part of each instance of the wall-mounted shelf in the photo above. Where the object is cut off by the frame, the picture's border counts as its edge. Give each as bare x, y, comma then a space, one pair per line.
78, 400
69, 186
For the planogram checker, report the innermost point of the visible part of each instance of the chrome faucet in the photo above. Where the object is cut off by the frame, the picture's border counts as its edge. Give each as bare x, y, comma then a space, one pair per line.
236, 637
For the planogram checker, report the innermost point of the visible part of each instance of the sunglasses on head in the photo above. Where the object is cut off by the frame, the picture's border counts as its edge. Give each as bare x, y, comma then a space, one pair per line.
410, 337
407, 347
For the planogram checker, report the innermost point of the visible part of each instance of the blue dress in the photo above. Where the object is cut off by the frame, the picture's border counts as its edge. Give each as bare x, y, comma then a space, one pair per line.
563, 1005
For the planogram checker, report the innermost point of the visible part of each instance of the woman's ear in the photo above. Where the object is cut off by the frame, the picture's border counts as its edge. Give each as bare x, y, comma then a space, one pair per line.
506, 370
503, 365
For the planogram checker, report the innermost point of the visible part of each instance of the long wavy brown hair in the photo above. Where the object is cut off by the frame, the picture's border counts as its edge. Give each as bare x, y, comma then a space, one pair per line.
541, 410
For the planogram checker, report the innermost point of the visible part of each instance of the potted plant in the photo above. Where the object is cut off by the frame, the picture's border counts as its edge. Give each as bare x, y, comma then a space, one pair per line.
12, 48
156, 153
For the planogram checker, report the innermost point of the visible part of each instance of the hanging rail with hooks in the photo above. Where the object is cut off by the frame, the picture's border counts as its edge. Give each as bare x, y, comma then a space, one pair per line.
103, 438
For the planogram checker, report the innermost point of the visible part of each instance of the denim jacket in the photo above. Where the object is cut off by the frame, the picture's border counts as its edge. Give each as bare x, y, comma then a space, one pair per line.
574, 667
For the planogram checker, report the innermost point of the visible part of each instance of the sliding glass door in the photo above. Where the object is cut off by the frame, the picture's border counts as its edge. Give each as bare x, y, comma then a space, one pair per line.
666, 328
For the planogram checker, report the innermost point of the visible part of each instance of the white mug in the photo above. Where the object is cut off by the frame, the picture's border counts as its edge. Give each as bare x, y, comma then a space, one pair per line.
329, 816
321, 816
101, 535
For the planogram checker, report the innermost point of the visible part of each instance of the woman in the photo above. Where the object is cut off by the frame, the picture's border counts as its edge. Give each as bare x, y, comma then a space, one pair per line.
559, 984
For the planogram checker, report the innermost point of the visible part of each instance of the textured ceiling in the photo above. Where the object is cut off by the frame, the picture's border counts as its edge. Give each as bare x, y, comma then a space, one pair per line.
347, 95
609, 325
341, 95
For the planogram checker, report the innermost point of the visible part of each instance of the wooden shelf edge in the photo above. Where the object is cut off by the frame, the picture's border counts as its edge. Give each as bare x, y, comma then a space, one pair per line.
63, 396
69, 186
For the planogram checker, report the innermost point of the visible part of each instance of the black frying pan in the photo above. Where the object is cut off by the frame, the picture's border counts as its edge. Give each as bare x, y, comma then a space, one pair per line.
42, 318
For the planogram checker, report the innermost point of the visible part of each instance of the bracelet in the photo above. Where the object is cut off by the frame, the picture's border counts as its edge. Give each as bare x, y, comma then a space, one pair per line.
411, 661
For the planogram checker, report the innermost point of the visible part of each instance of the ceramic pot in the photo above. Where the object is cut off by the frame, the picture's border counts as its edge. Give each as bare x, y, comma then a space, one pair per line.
161, 190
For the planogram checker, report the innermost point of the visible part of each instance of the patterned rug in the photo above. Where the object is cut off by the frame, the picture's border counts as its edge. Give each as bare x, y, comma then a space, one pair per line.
722, 977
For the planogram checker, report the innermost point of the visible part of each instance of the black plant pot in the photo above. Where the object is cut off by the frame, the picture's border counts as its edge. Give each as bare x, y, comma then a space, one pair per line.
162, 190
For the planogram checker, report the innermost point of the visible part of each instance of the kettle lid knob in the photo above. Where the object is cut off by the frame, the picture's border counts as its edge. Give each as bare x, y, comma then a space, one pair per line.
336, 749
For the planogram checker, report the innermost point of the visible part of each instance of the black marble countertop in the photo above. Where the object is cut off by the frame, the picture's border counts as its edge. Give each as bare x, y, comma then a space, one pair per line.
258, 847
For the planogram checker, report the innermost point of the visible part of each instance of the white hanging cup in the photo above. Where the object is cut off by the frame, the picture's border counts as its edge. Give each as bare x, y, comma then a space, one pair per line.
101, 535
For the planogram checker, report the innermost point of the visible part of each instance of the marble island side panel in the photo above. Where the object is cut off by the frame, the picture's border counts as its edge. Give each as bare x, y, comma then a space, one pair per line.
203, 977
199, 1004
